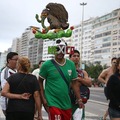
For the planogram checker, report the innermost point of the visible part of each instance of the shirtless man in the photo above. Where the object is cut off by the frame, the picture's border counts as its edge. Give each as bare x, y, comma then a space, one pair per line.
104, 77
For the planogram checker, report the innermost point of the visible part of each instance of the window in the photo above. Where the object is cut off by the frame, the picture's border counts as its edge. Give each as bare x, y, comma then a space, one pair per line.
115, 32
106, 39
106, 50
106, 44
115, 14
99, 35
115, 26
115, 43
97, 51
107, 33
114, 37
76, 35
76, 30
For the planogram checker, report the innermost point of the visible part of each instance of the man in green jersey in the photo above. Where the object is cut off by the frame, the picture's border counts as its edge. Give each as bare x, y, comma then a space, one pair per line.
56, 98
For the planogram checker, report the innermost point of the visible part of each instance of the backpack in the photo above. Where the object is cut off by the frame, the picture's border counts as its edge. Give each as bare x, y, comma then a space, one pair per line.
84, 91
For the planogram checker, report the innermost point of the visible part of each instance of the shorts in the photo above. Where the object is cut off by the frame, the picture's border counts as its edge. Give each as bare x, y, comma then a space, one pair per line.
113, 113
59, 114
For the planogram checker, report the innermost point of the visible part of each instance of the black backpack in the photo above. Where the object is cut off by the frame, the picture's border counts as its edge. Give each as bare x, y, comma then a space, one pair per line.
84, 93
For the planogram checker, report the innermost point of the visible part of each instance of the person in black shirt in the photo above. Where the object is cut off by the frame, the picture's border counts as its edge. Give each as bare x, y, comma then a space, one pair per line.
113, 93
22, 89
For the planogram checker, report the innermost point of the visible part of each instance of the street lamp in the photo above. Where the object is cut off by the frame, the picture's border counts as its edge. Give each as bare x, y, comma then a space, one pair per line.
83, 4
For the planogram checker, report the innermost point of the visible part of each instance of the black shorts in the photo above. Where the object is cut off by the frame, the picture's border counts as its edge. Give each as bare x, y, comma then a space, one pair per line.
113, 113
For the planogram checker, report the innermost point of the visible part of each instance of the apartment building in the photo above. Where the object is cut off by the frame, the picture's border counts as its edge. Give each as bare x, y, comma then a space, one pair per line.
16, 45
24, 42
28, 45
82, 39
3, 59
35, 50
106, 36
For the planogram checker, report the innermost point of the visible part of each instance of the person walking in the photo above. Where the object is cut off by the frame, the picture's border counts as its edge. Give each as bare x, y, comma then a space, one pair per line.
56, 98
10, 69
104, 77
22, 89
113, 93
83, 78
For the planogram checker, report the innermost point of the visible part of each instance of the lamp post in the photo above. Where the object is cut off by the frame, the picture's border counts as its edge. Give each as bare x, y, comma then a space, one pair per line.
83, 4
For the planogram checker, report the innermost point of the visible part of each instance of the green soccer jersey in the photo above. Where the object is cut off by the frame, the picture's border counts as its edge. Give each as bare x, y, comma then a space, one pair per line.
56, 89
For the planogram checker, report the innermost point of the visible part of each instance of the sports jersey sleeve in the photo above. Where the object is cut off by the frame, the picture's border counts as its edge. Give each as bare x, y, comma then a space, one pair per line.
74, 73
43, 70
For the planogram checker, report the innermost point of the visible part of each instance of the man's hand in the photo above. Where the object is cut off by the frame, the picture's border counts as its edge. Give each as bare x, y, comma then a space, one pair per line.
80, 103
25, 96
45, 104
80, 79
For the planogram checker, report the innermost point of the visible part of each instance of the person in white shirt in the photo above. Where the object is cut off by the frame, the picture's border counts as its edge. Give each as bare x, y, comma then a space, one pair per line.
10, 69
36, 71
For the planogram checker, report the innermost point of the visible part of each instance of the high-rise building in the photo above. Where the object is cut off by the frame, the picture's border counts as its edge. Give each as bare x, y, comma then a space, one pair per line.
106, 30
82, 39
28, 45
16, 45
3, 59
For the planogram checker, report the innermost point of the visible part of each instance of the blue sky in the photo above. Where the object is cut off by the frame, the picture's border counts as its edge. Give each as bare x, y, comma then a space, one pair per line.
16, 15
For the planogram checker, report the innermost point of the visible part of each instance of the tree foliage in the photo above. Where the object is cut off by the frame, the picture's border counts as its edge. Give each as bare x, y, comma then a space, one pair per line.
94, 70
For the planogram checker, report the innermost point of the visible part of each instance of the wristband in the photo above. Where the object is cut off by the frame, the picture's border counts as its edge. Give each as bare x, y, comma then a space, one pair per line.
79, 100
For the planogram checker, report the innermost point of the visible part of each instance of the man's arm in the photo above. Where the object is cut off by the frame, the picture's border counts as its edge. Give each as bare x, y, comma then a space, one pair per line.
102, 76
38, 104
6, 93
42, 93
85, 80
76, 88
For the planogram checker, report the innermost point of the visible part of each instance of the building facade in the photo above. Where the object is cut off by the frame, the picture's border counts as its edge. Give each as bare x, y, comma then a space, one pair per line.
106, 37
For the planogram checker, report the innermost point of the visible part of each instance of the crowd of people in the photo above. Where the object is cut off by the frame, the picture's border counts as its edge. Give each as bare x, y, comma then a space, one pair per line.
23, 93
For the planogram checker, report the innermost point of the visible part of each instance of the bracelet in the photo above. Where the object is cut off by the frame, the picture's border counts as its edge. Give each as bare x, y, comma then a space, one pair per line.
79, 100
